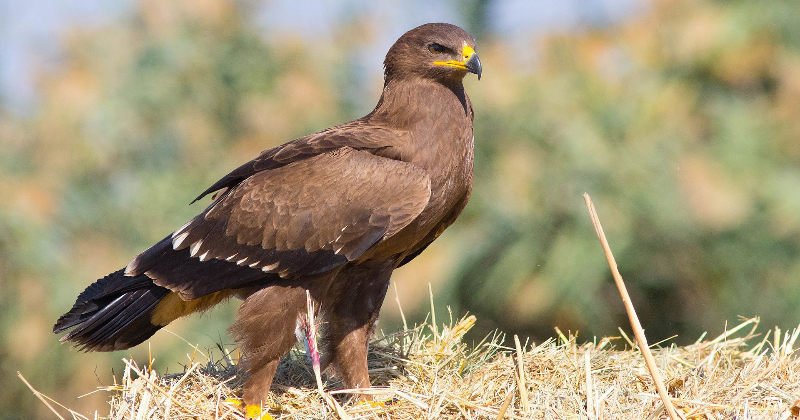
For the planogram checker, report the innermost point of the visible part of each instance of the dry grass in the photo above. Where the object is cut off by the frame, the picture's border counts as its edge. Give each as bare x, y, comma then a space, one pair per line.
430, 373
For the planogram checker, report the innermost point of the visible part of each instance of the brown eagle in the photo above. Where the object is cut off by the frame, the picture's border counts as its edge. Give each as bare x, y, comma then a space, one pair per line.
332, 213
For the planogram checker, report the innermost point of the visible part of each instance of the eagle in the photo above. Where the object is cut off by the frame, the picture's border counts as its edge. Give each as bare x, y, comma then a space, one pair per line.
330, 215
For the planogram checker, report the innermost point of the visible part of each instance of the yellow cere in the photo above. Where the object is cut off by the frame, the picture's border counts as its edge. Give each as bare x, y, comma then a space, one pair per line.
467, 51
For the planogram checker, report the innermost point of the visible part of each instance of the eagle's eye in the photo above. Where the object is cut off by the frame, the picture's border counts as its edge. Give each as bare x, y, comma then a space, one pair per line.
435, 48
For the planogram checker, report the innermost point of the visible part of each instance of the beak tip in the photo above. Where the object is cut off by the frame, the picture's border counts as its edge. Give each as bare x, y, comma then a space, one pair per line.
474, 65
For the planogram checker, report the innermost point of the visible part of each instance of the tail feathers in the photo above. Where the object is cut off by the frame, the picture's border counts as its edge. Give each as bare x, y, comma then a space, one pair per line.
113, 313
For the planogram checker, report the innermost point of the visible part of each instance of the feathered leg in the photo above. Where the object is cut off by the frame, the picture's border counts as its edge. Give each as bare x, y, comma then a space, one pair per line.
351, 310
265, 328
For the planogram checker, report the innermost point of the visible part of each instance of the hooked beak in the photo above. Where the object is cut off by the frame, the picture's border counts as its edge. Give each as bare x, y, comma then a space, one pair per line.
474, 64
470, 63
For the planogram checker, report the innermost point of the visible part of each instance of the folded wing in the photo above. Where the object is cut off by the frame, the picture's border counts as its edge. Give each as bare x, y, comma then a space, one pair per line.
303, 218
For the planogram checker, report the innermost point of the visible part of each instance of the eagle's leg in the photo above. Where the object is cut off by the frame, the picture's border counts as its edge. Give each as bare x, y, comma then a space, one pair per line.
265, 328
351, 311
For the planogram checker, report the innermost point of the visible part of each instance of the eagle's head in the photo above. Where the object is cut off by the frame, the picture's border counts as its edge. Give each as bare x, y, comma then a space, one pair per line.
438, 51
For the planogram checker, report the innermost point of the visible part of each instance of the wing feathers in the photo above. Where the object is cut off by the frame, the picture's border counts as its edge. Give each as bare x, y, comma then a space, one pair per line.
306, 217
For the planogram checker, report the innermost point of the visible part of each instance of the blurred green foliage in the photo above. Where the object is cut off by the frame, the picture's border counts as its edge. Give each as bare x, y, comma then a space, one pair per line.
683, 123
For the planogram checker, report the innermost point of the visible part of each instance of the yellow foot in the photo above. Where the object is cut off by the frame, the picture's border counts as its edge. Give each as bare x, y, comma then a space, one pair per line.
379, 403
251, 411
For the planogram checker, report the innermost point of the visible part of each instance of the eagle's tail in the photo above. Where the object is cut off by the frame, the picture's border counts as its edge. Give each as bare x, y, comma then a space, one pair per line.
113, 313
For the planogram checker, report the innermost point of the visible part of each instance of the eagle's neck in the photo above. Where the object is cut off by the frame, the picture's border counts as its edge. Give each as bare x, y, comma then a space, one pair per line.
437, 120
405, 103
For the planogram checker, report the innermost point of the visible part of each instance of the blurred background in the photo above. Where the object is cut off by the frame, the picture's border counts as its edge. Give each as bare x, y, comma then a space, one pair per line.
680, 117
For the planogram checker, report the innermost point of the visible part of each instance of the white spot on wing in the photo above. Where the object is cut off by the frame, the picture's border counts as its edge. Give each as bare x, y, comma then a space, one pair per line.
204, 257
254, 264
178, 240
241, 262
231, 257
268, 268
131, 267
195, 247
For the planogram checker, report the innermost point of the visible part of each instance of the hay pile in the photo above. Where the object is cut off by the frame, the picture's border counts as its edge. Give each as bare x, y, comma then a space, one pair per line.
430, 373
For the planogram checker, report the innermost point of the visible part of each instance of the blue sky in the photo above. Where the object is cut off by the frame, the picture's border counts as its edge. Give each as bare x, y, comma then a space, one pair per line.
30, 30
